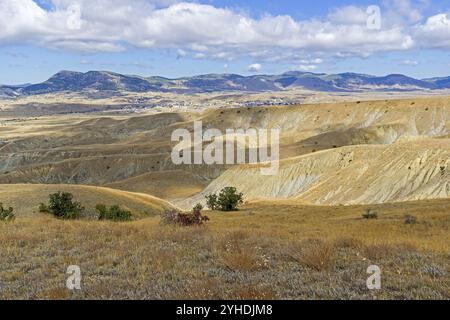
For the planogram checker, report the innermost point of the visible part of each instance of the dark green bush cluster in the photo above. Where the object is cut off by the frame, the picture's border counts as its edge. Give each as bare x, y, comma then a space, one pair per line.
114, 213
211, 201
62, 206
197, 208
228, 199
6, 214
370, 214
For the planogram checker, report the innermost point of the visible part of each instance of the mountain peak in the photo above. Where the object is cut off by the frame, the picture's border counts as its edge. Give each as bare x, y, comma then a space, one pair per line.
66, 73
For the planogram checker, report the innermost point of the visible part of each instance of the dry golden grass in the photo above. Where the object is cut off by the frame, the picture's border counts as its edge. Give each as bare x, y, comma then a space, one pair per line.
172, 184
314, 253
293, 220
242, 255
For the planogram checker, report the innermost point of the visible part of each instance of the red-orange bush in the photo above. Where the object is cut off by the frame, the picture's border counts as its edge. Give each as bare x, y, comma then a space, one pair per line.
173, 217
190, 219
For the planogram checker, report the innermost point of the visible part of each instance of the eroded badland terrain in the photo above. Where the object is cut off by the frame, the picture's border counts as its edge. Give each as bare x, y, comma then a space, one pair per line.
300, 233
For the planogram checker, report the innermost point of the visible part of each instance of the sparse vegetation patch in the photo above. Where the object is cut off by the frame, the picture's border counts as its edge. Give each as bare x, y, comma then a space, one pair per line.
370, 214
114, 213
409, 219
176, 218
6, 214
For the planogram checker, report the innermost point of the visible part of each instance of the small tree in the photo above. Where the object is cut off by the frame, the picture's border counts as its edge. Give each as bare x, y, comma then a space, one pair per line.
114, 213
62, 206
6, 214
229, 199
211, 201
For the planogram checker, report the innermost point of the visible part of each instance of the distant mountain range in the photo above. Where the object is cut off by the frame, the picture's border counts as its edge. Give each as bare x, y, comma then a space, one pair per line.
104, 81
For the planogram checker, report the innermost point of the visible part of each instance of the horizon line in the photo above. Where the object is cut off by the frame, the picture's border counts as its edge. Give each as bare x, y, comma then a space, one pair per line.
224, 73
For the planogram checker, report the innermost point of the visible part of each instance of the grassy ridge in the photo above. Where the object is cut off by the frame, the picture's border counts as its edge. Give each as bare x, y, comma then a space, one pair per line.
25, 198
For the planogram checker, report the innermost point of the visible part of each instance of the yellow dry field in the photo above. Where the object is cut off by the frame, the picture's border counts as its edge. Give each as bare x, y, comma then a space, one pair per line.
267, 250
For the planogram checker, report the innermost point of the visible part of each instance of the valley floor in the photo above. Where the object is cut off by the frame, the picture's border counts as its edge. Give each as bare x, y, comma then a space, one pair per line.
267, 250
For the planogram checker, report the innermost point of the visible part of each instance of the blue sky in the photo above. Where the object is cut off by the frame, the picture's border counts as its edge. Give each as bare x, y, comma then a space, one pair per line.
174, 39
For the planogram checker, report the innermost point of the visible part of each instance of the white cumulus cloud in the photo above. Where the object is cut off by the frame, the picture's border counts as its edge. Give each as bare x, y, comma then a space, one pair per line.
310, 67
435, 32
256, 67
191, 28
411, 63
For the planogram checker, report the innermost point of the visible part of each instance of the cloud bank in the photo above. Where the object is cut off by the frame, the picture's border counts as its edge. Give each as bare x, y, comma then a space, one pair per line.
204, 31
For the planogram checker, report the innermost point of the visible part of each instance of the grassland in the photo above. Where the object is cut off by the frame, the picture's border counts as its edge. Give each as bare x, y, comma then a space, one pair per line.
267, 250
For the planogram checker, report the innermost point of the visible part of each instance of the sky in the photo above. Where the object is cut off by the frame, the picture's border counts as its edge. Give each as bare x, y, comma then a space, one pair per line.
182, 38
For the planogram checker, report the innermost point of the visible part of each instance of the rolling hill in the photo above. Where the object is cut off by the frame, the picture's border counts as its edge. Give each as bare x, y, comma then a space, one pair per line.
344, 153
25, 199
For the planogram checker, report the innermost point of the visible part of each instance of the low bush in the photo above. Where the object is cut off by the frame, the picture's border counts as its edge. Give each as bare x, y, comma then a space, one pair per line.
174, 217
114, 213
197, 207
314, 254
370, 214
409, 219
44, 208
317, 254
6, 214
192, 219
62, 206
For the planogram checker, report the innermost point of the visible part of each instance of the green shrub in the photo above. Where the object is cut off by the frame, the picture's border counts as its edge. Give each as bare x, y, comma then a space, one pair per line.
370, 214
211, 201
227, 200
44, 208
197, 208
62, 206
6, 214
114, 213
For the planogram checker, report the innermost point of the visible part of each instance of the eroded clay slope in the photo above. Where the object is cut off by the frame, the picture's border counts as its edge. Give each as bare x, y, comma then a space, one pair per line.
363, 174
